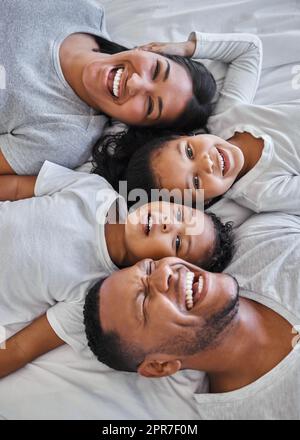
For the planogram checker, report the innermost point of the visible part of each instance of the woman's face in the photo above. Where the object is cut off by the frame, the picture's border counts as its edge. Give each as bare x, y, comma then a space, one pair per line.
138, 87
197, 162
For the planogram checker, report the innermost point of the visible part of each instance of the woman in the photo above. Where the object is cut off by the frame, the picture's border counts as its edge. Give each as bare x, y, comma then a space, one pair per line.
61, 84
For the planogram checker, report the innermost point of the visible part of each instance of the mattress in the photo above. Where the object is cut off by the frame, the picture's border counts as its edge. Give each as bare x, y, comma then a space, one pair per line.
60, 384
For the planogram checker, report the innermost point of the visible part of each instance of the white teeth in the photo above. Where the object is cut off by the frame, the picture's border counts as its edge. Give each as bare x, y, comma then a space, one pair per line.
189, 290
200, 284
116, 82
222, 161
150, 223
189, 300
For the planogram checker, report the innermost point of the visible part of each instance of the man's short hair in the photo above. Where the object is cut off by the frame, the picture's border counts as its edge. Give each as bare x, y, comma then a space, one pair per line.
108, 346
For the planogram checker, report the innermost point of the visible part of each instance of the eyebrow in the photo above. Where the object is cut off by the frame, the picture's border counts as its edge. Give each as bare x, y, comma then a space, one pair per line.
160, 102
189, 244
167, 72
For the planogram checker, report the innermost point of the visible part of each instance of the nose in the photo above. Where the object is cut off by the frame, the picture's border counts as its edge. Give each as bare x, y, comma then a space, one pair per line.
160, 278
207, 163
172, 225
138, 84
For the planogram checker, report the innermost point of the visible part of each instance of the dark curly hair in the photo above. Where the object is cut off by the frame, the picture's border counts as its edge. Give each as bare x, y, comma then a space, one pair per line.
199, 107
223, 246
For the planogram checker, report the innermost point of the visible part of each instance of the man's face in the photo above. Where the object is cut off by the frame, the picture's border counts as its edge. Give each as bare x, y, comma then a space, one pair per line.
153, 303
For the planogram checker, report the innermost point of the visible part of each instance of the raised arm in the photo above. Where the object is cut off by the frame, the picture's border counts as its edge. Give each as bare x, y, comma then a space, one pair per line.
243, 54
28, 344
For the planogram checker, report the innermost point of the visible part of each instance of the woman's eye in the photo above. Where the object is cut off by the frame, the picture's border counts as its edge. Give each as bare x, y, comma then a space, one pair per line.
196, 182
178, 243
150, 106
189, 152
156, 71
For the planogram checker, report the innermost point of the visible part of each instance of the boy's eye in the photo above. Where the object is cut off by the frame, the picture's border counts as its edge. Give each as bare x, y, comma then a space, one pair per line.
179, 215
156, 71
150, 106
178, 243
196, 182
189, 152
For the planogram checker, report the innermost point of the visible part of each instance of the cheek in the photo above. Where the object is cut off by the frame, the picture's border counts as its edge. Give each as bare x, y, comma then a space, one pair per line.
133, 111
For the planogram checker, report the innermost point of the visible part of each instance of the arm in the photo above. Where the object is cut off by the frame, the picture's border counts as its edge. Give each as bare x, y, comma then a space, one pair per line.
243, 54
5, 168
26, 345
16, 187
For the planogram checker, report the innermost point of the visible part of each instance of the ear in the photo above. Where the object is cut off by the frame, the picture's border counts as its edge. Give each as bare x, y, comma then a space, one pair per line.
154, 368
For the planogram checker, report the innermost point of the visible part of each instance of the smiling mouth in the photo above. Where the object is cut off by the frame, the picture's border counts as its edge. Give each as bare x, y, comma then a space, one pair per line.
195, 289
224, 161
114, 81
149, 224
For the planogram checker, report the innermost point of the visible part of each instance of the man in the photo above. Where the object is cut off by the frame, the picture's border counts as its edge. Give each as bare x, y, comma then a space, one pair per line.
247, 343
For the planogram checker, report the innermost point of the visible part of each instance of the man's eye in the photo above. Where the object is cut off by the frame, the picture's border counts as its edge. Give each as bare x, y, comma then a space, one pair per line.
189, 152
178, 243
196, 182
150, 106
156, 71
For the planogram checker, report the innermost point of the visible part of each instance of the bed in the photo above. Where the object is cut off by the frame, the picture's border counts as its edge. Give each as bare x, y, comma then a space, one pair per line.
60, 384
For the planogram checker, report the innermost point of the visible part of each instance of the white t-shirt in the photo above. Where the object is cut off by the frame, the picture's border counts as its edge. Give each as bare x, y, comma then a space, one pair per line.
53, 250
273, 184
266, 265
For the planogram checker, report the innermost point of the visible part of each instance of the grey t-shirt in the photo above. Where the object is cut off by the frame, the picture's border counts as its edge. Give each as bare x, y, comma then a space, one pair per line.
41, 117
266, 265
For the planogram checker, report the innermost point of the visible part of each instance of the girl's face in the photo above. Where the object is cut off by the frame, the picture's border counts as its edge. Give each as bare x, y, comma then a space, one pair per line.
161, 229
138, 87
197, 162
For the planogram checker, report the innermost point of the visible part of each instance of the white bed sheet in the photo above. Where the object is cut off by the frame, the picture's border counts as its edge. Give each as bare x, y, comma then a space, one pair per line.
60, 385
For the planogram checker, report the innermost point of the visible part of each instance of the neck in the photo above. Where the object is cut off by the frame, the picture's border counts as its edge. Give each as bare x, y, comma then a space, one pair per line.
246, 351
75, 53
251, 148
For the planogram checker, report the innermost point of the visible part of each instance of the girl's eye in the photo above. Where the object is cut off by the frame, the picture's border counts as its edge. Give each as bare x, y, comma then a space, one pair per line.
156, 71
196, 182
150, 106
189, 152
178, 243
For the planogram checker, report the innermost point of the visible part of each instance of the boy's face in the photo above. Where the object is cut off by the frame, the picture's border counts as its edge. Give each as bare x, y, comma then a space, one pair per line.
198, 162
160, 229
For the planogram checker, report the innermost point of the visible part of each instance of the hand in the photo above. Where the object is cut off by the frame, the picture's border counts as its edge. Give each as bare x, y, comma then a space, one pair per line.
184, 49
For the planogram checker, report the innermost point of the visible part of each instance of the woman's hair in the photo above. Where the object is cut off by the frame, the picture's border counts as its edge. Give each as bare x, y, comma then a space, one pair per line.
199, 107
127, 156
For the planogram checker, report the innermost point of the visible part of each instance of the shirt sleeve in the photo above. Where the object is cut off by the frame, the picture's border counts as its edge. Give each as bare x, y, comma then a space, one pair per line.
53, 178
66, 319
279, 194
27, 148
243, 55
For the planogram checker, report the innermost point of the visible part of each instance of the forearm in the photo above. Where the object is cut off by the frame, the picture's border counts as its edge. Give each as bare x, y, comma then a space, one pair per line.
16, 187
11, 358
28, 344
243, 55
